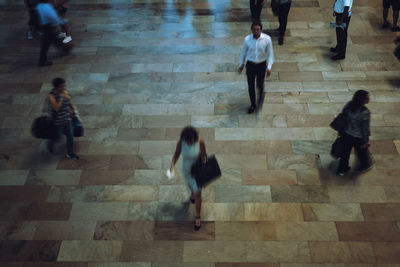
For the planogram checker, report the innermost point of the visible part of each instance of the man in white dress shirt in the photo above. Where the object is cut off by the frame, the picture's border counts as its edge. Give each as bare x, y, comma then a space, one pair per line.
257, 51
342, 11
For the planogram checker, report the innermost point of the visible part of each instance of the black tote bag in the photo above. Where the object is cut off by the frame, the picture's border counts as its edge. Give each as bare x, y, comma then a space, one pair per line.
339, 123
205, 172
44, 128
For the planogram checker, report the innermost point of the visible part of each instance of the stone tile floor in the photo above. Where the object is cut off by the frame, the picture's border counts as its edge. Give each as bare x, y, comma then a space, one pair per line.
141, 70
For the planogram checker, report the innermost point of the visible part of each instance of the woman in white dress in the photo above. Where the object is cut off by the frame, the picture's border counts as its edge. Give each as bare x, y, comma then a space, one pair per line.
191, 147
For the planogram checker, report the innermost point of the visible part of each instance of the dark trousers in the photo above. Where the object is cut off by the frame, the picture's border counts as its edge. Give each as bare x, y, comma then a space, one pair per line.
341, 37
50, 36
255, 9
67, 130
255, 74
362, 153
282, 16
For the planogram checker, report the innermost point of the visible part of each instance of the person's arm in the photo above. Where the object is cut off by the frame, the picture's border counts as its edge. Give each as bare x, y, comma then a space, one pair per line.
243, 55
203, 151
176, 155
270, 57
341, 16
365, 129
56, 105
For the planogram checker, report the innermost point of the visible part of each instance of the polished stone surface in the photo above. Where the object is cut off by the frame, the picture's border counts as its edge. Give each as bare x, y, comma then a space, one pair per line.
143, 69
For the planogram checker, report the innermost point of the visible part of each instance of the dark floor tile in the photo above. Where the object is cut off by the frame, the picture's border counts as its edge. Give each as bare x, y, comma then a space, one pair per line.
303, 193
20, 250
124, 230
183, 231
387, 252
368, 231
24, 193
35, 211
381, 211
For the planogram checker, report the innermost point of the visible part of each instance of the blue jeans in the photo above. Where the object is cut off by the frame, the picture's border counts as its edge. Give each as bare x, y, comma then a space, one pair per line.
67, 130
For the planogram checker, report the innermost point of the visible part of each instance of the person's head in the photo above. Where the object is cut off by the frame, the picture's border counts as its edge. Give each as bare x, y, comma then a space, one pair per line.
189, 135
59, 84
256, 28
360, 98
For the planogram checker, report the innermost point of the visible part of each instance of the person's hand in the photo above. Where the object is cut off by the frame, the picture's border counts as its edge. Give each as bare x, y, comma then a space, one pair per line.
268, 73
365, 146
240, 69
65, 95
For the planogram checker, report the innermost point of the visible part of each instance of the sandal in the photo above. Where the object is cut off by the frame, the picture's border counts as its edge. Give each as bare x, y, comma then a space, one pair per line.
197, 227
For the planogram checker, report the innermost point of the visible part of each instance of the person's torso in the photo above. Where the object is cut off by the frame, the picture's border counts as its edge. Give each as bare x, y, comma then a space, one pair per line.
257, 48
340, 4
63, 115
47, 14
355, 121
190, 153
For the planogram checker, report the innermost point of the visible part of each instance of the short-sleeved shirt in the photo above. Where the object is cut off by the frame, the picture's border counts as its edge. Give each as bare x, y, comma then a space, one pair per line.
340, 4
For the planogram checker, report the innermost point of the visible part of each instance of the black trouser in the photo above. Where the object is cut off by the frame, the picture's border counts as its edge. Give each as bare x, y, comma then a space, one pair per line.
341, 37
282, 16
362, 153
67, 130
255, 72
50, 36
255, 8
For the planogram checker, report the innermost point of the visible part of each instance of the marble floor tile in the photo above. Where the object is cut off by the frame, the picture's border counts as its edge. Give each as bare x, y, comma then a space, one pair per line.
346, 252
75, 194
273, 212
99, 211
307, 231
22, 250
242, 231
274, 251
386, 252
332, 212
165, 251
381, 211
24, 193
65, 230
51, 177
129, 193
93, 177
237, 194
217, 251
13, 177
124, 230
269, 177
94, 250
303, 193
368, 231
183, 231
293, 162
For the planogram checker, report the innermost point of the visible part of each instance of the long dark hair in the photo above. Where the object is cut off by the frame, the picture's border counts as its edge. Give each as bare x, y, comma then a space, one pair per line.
189, 135
358, 101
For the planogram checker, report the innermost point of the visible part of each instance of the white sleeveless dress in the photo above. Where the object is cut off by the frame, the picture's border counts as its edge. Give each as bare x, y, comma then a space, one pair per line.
189, 156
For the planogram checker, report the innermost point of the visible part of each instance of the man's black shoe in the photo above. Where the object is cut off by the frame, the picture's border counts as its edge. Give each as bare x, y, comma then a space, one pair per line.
396, 29
334, 50
280, 41
385, 25
46, 63
338, 57
251, 109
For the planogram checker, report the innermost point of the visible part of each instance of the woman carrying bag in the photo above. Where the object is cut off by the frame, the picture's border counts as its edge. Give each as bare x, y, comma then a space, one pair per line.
191, 147
356, 133
60, 109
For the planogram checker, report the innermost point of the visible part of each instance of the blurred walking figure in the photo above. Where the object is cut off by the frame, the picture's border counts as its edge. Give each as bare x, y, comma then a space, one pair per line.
191, 147
50, 23
61, 7
258, 54
342, 11
356, 133
60, 111
395, 7
281, 9
255, 9
33, 19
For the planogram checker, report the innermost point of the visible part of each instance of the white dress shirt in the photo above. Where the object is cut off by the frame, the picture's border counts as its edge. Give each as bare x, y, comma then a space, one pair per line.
340, 4
257, 50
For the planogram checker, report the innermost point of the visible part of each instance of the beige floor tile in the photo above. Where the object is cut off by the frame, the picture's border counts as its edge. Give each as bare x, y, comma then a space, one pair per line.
241, 231
216, 251
369, 194
90, 250
306, 231
269, 177
128, 193
273, 212
274, 251
346, 252
332, 212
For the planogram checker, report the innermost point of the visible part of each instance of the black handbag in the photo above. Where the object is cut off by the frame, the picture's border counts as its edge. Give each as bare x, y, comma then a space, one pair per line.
44, 128
205, 171
339, 123
338, 147
77, 126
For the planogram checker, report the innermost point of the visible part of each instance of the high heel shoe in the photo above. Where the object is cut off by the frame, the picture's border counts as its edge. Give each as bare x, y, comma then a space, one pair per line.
197, 227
